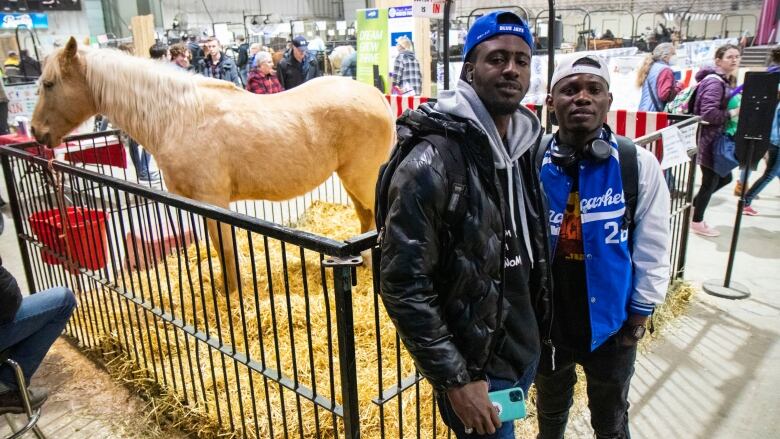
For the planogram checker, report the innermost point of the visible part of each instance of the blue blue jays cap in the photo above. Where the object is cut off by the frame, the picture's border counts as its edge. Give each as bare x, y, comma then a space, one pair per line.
496, 23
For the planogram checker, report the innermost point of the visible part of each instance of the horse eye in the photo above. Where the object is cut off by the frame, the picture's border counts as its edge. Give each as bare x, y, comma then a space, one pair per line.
48, 84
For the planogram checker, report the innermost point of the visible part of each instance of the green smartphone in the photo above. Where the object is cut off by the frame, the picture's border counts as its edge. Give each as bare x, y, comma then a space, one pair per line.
509, 402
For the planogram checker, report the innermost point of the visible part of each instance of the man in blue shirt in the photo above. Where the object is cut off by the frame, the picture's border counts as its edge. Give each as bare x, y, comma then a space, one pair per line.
610, 263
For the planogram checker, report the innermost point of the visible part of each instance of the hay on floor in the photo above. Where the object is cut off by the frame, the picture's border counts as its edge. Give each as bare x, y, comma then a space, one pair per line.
289, 304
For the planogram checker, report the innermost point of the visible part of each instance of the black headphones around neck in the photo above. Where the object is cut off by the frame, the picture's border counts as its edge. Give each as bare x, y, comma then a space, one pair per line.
565, 156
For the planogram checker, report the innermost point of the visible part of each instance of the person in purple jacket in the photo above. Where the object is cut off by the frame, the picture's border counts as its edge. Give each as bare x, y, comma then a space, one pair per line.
712, 94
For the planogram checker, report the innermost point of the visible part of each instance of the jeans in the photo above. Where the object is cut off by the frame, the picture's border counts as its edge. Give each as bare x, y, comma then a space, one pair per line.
608, 372
507, 430
244, 73
140, 159
37, 324
711, 182
772, 171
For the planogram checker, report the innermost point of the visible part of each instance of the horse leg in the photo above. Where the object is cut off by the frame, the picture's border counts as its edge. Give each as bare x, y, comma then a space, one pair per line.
365, 213
222, 241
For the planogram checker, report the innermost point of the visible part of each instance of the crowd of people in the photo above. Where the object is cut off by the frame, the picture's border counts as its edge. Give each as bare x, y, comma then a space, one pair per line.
253, 68
717, 99
557, 256
256, 69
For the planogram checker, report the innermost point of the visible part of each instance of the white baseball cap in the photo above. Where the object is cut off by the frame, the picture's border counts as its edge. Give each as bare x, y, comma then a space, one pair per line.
575, 65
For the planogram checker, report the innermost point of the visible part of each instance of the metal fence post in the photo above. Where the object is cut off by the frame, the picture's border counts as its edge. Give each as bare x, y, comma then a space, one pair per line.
343, 281
16, 213
686, 225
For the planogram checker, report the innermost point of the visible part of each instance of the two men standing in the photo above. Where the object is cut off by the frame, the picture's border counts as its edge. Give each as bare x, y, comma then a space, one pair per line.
476, 296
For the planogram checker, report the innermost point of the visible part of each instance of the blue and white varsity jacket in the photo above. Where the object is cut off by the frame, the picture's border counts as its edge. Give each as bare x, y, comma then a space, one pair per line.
619, 280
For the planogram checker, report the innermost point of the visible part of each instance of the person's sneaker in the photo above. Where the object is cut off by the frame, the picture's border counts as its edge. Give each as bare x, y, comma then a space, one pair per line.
701, 228
747, 210
11, 400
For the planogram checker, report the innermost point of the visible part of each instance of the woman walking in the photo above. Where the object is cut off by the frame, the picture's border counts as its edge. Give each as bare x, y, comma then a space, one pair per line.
711, 100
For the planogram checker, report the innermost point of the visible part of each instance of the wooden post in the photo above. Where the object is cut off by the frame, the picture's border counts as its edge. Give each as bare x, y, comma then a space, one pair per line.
143, 34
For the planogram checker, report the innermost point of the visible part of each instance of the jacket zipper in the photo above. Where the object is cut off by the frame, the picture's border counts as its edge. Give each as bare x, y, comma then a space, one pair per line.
544, 212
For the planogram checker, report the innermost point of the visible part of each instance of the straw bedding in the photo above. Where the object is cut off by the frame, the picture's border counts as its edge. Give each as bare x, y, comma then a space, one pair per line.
283, 288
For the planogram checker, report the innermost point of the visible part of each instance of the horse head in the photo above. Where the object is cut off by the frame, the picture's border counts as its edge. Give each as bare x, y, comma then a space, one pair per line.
64, 97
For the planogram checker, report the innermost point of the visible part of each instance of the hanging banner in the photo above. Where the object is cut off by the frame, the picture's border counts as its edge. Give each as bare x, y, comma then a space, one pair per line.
372, 47
29, 20
400, 23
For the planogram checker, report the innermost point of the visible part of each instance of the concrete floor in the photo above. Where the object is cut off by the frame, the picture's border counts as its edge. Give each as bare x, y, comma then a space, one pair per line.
711, 376
84, 401
717, 375
714, 374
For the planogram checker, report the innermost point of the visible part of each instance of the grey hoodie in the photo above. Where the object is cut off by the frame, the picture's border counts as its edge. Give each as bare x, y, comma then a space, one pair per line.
524, 130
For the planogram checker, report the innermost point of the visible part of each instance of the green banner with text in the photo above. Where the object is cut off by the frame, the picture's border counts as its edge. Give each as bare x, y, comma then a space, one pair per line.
372, 47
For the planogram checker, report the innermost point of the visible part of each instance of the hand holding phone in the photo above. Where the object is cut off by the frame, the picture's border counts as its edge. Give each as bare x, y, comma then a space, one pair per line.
510, 403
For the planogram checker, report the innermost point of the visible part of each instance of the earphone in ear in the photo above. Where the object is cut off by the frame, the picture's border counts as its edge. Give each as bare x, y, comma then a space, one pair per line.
470, 76
564, 155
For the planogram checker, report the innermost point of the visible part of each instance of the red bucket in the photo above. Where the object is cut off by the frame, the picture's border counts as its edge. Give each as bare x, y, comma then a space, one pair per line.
85, 234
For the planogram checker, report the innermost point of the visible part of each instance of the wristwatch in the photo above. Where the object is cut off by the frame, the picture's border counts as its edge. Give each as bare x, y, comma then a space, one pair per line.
636, 332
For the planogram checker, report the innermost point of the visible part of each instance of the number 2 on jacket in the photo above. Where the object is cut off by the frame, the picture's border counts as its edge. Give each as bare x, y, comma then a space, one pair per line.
614, 229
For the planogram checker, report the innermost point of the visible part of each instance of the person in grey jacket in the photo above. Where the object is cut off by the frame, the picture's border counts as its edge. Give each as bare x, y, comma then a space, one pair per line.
469, 295
217, 65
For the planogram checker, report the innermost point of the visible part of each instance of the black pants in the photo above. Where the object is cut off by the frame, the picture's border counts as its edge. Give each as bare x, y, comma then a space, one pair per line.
608, 372
710, 183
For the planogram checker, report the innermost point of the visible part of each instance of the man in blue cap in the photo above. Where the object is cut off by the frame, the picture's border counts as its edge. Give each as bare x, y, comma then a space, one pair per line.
464, 273
298, 65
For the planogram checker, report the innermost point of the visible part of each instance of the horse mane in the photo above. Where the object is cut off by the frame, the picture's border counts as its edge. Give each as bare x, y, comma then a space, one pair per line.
143, 95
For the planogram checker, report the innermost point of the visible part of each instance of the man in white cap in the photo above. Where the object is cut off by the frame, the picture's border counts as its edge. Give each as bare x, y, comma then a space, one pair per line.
463, 272
609, 219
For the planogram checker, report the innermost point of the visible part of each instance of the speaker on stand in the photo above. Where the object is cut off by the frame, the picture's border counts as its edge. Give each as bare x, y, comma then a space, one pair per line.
756, 114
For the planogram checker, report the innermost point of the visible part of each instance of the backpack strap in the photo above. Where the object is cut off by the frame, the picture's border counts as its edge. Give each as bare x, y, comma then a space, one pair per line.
455, 166
629, 173
541, 147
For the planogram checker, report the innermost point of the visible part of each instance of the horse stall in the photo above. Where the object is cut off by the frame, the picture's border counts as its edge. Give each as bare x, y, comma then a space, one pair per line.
301, 348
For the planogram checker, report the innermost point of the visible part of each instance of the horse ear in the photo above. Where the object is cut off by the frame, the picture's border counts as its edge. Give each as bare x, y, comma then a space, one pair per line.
71, 48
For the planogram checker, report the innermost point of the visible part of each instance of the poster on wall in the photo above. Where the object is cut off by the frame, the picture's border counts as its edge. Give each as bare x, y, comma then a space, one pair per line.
21, 100
31, 21
372, 47
400, 23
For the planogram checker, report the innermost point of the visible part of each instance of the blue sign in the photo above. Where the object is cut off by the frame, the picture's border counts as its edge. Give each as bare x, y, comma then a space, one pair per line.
372, 13
30, 20
400, 12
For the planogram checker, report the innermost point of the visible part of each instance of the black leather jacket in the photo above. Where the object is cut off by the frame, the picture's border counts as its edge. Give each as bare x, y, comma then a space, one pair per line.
10, 296
441, 285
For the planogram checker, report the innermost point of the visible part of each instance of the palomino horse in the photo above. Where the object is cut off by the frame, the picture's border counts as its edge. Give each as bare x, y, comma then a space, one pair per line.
217, 143
336, 57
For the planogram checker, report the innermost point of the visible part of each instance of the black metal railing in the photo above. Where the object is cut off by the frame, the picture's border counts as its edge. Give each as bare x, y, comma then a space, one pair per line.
302, 347
680, 179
